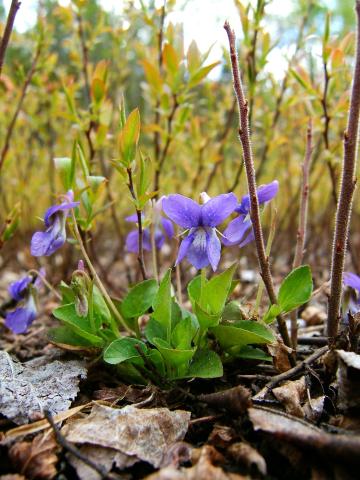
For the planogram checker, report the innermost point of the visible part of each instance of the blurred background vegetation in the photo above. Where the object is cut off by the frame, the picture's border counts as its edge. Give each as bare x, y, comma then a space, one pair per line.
64, 78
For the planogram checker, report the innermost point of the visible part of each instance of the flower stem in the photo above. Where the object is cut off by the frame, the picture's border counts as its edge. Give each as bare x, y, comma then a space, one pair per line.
244, 134
139, 222
301, 234
153, 246
97, 280
347, 188
45, 282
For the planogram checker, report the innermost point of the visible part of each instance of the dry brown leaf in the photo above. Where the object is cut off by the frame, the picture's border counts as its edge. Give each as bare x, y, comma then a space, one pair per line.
203, 470
104, 457
280, 355
348, 377
245, 454
36, 459
314, 315
26, 389
12, 477
221, 436
144, 433
291, 395
314, 408
302, 434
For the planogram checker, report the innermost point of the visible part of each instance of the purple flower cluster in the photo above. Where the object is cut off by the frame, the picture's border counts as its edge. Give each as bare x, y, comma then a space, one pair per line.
239, 231
163, 229
23, 292
54, 237
202, 246
42, 243
352, 280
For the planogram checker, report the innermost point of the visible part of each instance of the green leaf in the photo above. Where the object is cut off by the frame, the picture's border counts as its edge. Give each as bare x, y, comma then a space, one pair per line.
162, 304
139, 299
123, 349
80, 325
194, 290
206, 319
66, 336
101, 311
205, 364
154, 329
272, 313
67, 293
156, 358
296, 289
232, 312
129, 138
243, 333
196, 78
216, 291
173, 356
249, 353
183, 333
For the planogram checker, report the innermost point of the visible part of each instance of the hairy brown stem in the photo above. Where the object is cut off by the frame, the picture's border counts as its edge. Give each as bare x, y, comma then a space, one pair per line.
139, 222
303, 213
12, 123
347, 188
14, 7
244, 135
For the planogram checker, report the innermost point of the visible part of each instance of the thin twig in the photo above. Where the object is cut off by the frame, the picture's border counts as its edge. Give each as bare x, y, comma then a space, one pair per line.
11, 126
347, 188
169, 138
140, 229
251, 179
157, 137
69, 447
14, 7
292, 372
85, 69
325, 133
303, 213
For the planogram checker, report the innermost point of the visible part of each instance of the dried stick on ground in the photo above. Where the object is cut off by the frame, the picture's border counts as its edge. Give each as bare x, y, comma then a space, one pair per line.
291, 373
303, 212
14, 7
347, 188
244, 135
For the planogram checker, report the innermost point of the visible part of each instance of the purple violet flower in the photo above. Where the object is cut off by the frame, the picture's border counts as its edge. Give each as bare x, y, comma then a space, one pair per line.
20, 319
201, 246
352, 280
237, 232
54, 237
163, 229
